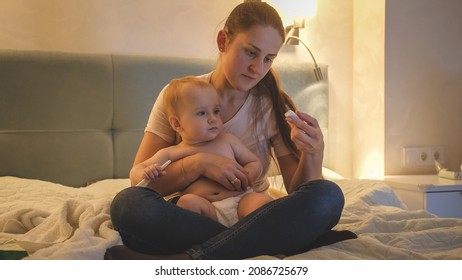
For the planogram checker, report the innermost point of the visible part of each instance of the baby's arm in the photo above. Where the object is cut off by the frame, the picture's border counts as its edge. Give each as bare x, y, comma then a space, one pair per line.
245, 157
152, 168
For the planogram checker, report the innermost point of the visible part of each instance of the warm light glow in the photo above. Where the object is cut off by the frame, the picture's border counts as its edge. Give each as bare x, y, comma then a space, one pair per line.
372, 166
291, 10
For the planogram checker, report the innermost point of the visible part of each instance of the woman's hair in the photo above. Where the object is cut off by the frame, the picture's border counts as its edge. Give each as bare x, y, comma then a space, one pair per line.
174, 90
244, 17
250, 13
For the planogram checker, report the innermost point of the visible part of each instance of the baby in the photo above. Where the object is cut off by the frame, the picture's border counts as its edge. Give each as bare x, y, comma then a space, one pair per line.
194, 113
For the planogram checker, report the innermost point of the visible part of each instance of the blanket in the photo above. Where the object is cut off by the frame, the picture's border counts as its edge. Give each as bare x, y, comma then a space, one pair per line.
52, 221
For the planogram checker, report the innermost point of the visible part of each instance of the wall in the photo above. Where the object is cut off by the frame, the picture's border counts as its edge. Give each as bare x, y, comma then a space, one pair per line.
368, 88
174, 27
423, 82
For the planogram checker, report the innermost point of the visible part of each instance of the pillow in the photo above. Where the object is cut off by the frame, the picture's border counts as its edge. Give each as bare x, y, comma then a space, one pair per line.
330, 175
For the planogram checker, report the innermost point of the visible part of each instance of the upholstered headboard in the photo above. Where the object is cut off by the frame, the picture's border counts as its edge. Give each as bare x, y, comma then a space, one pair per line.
75, 118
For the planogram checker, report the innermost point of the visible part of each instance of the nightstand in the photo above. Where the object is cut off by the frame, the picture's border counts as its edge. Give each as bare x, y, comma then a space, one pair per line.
442, 197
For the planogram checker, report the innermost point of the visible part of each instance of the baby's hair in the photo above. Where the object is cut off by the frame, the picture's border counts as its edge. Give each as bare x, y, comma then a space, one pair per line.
172, 94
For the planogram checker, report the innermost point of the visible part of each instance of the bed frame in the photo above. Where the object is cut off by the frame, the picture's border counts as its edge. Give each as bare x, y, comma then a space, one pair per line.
76, 118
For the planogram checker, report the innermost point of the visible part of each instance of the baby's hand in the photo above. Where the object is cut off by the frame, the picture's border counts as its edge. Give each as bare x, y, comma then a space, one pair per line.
153, 172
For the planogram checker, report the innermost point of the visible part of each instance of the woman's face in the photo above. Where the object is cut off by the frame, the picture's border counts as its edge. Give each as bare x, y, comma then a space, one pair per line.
249, 56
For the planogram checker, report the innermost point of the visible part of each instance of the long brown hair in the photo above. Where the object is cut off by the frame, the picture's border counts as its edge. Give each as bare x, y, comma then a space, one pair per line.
243, 17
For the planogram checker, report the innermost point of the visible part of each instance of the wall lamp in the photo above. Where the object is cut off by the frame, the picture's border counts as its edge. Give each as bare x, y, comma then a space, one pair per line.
317, 70
293, 14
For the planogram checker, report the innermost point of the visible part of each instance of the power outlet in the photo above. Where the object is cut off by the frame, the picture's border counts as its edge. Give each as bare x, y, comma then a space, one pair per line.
423, 155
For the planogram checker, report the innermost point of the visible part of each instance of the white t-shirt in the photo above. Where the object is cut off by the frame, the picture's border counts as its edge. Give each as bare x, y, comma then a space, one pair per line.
254, 124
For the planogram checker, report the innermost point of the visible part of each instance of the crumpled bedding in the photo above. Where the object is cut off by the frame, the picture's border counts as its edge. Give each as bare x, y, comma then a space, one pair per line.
386, 229
52, 221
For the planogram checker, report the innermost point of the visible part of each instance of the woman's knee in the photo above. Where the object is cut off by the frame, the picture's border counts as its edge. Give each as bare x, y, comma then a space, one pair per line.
325, 192
131, 201
333, 191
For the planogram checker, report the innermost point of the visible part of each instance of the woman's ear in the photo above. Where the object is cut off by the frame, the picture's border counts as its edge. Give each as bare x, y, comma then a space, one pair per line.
221, 40
175, 123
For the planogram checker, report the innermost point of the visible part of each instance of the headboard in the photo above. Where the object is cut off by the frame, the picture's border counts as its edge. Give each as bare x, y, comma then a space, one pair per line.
75, 118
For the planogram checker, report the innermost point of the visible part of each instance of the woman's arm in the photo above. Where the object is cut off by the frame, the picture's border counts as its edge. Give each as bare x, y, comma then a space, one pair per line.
152, 168
307, 136
183, 172
150, 145
218, 168
245, 157
296, 172
172, 181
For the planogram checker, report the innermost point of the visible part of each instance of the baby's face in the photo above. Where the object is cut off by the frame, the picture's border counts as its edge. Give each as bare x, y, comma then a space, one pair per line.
199, 114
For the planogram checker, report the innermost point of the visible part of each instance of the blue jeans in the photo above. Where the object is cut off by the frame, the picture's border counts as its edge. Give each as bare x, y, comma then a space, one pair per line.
149, 224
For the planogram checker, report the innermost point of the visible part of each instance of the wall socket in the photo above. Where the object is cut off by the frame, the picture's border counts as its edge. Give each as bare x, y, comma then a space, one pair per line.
423, 155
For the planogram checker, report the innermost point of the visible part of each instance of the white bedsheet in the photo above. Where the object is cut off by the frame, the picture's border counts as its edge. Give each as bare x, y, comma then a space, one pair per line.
52, 221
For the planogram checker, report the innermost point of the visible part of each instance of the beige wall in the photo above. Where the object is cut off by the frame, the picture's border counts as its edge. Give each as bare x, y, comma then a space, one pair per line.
423, 80
368, 88
176, 27
394, 65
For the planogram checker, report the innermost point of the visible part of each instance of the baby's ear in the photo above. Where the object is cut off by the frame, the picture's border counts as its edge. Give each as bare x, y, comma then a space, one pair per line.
175, 123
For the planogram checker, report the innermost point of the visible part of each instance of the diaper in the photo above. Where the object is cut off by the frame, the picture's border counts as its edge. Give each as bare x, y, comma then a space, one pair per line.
226, 209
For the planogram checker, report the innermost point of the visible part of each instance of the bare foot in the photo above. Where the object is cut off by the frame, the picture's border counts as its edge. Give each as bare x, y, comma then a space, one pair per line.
122, 252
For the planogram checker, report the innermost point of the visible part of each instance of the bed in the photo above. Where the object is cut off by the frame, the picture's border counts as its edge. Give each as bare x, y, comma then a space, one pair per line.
70, 124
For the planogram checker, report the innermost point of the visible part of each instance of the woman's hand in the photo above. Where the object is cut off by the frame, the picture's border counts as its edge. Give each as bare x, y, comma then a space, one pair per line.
307, 136
306, 133
227, 172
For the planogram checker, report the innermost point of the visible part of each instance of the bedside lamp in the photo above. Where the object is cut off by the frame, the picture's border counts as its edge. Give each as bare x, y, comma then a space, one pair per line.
293, 13
317, 69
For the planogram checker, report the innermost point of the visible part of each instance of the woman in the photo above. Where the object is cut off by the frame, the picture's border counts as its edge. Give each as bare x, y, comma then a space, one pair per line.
252, 108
